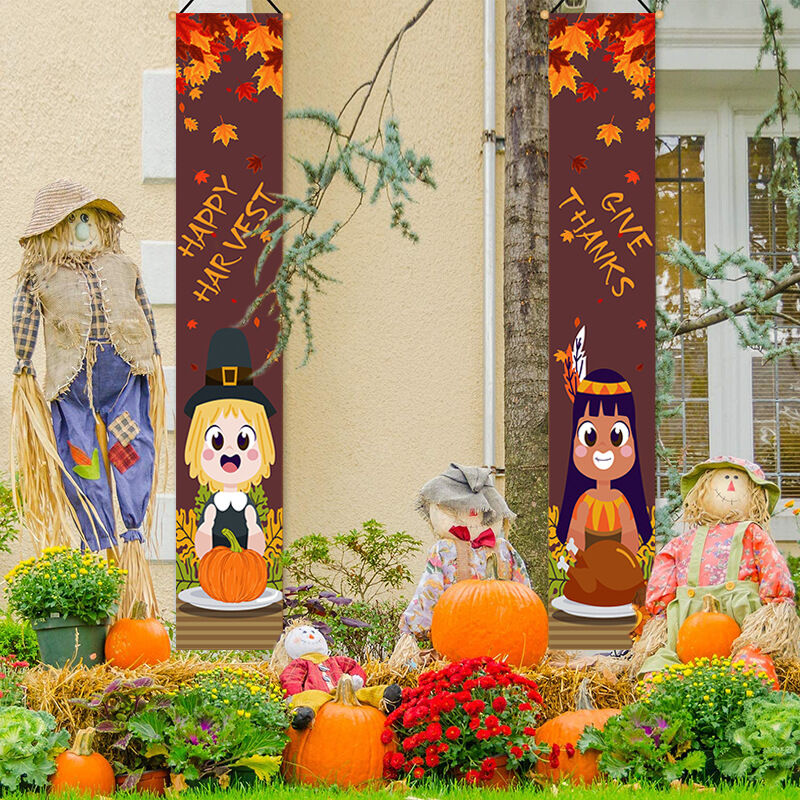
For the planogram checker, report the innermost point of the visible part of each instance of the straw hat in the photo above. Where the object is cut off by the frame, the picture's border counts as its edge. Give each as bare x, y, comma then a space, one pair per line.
56, 201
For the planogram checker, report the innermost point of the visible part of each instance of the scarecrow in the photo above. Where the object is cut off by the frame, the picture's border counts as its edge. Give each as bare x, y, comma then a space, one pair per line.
102, 432
727, 552
309, 674
471, 520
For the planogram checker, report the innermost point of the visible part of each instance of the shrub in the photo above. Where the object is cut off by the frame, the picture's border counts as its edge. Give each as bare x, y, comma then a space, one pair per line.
18, 639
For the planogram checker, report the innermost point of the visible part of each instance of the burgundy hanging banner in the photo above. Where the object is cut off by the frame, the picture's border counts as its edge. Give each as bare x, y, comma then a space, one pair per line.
229, 494
602, 313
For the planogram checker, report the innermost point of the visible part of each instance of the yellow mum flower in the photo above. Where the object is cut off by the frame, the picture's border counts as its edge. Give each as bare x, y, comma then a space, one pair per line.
240, 712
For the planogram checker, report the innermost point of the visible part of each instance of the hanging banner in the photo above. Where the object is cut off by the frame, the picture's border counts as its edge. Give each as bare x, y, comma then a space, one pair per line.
602, 310
229, 531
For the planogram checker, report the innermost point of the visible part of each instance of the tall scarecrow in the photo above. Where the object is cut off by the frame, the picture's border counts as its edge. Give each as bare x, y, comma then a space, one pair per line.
102, 433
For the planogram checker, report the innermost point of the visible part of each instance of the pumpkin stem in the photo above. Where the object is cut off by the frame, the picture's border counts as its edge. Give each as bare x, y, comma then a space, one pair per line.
710, 603
346, 692
583, 697
139, 610
82, 744
492, 572
235, 546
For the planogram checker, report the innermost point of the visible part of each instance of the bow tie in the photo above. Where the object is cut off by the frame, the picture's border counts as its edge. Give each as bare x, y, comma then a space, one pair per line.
484, 539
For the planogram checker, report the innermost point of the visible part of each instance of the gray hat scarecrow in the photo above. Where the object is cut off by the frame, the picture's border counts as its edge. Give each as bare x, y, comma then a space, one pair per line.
97, 428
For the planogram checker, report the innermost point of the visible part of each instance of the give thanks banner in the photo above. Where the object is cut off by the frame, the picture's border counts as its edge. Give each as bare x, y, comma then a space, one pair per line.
229, 530
602, 308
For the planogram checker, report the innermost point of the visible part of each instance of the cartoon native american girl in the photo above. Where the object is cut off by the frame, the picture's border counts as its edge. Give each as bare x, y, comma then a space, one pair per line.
229, 447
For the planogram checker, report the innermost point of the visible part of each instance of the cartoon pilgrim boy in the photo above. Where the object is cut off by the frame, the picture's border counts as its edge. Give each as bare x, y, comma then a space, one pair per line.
471, 520
604, 514
104, 379
229, 447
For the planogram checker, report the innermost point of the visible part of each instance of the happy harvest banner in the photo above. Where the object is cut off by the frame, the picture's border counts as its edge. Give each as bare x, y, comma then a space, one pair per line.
229, 439
602, 307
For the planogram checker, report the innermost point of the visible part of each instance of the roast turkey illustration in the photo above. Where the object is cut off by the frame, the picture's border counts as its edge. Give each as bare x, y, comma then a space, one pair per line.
606, 574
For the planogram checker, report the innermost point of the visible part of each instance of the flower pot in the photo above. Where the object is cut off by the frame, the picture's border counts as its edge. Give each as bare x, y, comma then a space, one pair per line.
69, 639
153, 782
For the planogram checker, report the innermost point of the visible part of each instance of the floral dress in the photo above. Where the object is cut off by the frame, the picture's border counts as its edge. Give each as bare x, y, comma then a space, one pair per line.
761, 563
440, 573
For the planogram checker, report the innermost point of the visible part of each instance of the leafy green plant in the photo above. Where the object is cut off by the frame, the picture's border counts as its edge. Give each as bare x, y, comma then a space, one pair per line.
18, 639
766, 746
66, 582
9, 519
361, 563
29, 744
641, 744
12, 692
794, 568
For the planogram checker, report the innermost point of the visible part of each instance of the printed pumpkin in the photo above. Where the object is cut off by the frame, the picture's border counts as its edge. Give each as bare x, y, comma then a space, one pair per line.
503, 620
232, 574
343, 746
136, 640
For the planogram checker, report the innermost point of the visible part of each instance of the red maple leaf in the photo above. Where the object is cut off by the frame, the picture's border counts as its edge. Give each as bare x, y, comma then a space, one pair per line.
181, 107
579, 163
245, 91
632, 176
191, 324
275, 26
254, 163
201, 176
180, 85
641, 324
214, 25
557, 26
194, 366
587, 91
274, 58
559, 58
184, 26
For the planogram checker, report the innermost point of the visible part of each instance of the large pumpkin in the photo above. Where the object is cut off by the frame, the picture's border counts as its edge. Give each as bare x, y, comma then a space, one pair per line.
231, 574
80, 769
136, 640
760, 662
707, 633
568, 763
342, 747
504, 620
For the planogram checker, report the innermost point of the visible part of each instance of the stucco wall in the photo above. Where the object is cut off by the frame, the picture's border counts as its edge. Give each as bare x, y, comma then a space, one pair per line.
393, 392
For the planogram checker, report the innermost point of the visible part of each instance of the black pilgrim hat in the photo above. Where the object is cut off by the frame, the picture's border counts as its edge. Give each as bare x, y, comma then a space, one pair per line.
228, 373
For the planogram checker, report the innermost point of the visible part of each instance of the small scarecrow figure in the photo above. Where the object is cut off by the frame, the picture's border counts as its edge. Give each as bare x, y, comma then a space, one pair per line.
309, 674
472, 520
229, 447
728, 553
105, 423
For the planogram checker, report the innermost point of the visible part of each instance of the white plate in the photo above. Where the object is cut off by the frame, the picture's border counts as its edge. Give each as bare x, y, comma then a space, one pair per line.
593, 612
198, 598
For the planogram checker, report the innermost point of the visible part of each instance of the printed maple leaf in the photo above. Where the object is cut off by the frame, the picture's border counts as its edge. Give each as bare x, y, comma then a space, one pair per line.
201, 176
254, 163
567, 236
191, 324
180, 85
632, 176
195, 94
245, 91
274, 58
561, 73
190, 123
573, 40
579, 163
587, 91
635, 72
256, 322
269, 78
260, 40
641, 324
643, 123
560, 356
224, 133
609, 132
198, 72
638, 94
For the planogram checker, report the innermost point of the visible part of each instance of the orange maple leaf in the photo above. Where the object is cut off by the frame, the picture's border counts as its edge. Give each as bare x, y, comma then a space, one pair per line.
632, 176
641, 324
191, 324
199, 71
181, 107
560, 356
224, 133
635, 72
269, 78
195, 94
573, 40
643, 123
637, 93
260, 40
190, 124
201, 176
609, 132
564, 77
567, 236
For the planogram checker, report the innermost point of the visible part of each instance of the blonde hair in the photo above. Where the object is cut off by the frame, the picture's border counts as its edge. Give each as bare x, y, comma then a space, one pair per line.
695, 505
44, 253
205, 415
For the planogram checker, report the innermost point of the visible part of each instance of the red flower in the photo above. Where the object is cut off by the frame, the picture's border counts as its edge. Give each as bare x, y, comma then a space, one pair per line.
396, 760
472, 776
525, 707
569, 747
516, 752
492, 721
529, 731
486, 682
418, 772
433, 732
474, 707
453, 733
416, 761
444, 747
462, 697
432, 760
386, 736
499, 704
474, 723
505, 730
409, 742
489, 764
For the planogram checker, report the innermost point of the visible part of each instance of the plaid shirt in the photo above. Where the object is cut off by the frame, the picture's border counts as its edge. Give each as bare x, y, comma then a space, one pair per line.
27, 311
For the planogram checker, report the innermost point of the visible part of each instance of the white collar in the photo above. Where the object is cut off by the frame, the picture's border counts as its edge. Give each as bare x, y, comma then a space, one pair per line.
224, 500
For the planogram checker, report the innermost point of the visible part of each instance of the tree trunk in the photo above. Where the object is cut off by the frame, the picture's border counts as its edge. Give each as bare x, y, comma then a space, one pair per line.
525, 282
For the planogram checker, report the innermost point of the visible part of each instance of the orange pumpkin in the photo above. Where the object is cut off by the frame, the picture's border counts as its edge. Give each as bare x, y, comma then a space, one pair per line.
504, 620
566, 729
343, 746
136, 640
231, 574
81, 769
760, 662
707, 632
